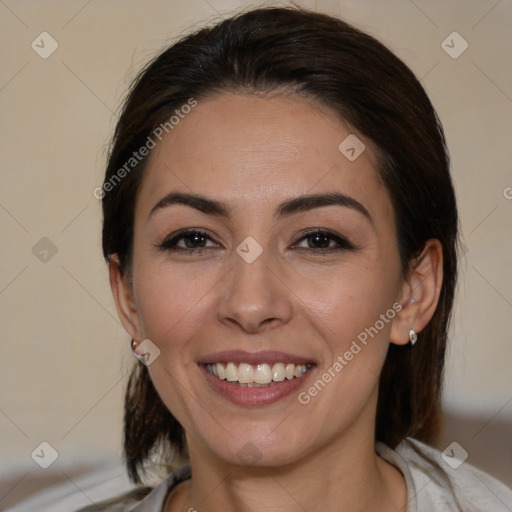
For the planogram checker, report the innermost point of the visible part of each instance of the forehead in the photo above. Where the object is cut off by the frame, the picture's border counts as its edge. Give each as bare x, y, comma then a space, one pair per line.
258, 150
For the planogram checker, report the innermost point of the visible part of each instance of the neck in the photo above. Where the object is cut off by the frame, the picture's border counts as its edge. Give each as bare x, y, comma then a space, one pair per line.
345, 474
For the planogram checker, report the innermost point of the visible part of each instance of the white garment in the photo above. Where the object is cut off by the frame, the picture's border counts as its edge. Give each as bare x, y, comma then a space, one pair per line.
432, 486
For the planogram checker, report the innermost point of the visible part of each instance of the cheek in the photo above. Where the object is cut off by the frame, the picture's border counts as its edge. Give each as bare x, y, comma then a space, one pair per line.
172, 304
174, 308
348, 300
353, 316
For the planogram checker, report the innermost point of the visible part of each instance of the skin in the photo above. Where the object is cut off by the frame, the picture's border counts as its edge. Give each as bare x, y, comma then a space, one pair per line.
252, 153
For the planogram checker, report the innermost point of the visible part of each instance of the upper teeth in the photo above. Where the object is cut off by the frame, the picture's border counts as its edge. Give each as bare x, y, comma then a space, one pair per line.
260, 374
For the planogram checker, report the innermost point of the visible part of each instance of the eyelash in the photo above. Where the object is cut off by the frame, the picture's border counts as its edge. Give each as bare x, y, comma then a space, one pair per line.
170, 244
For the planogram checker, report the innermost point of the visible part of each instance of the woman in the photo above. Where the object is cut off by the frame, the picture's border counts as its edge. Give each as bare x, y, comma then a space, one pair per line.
281, 232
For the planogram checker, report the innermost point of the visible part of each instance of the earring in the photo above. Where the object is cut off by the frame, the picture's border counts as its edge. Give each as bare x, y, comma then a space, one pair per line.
413, 337
133, 345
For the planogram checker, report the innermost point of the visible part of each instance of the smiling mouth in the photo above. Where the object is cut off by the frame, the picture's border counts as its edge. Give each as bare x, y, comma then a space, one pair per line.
260, 375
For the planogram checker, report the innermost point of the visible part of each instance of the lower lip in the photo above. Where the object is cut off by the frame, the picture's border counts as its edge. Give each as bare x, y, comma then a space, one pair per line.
244, 395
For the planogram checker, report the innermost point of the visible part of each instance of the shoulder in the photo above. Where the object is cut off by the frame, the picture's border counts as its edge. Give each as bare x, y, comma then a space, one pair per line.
442, 481
156, 499
143, 499
122, 503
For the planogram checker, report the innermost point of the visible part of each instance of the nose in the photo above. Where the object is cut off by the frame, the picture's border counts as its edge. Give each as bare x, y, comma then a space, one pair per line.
255, 296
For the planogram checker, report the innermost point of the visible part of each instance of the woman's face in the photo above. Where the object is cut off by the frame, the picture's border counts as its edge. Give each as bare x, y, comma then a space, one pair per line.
265, 276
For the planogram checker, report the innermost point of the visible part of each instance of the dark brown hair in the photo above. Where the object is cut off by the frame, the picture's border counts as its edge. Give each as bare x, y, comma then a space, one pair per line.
365, 84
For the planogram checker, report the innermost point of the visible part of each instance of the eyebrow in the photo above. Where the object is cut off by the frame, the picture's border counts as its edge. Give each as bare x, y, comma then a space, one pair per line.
285, 209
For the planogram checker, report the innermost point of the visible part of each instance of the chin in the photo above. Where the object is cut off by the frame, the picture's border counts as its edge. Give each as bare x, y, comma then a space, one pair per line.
263, 451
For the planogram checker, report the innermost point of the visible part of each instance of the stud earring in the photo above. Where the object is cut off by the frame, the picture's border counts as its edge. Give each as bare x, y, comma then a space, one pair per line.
413, 337
133, 346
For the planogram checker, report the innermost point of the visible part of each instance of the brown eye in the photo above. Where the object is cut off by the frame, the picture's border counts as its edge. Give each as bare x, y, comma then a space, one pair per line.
319, 241
189, 241
324, 241
194, 240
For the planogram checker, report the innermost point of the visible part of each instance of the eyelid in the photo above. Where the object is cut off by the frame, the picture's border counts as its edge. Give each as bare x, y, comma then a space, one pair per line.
171, 241
342, 241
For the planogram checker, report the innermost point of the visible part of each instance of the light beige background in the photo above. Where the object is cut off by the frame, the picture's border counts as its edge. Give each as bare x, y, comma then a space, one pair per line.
65, 355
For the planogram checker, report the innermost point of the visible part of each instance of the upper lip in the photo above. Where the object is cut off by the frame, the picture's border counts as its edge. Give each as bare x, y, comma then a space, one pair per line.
261, 357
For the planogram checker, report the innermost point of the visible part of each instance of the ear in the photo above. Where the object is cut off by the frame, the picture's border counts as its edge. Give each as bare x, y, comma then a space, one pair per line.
420, 293
122, 291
